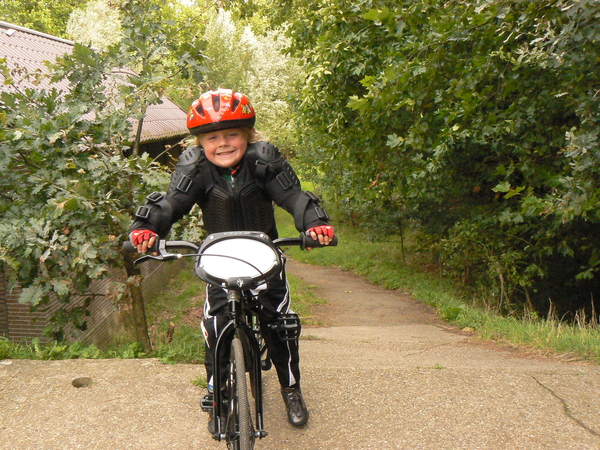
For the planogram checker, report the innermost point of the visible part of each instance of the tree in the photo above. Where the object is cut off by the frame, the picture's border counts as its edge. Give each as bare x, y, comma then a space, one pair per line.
48, 17
98, 25
476, 120
68, 191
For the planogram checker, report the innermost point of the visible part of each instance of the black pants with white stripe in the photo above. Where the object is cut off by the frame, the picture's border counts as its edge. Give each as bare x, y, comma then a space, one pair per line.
274, 300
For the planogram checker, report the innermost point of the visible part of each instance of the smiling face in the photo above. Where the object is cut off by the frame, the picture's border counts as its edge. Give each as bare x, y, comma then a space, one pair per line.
224, 148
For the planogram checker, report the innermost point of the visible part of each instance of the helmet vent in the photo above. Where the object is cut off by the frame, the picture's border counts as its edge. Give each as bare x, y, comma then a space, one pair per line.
220, 110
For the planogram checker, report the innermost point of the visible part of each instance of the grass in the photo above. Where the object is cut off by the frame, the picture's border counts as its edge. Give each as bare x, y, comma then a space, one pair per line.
569, 341
383, 263
173, 317
61, 350
303, 299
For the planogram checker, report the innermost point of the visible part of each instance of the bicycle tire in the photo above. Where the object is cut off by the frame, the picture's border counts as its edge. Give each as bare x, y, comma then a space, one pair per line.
240, 413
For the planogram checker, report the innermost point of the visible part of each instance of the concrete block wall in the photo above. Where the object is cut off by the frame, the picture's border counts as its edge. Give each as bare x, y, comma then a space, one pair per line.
3, 307
107, 319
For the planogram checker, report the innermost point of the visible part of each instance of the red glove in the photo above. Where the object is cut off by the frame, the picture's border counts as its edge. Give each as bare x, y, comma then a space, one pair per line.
325, 230
138, 237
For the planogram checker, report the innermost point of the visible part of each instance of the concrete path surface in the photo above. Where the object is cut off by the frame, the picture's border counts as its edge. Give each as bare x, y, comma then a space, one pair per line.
383, 373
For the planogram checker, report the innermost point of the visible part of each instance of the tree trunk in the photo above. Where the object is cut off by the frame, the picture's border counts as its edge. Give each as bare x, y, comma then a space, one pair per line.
140, 325
138, 310
138, 138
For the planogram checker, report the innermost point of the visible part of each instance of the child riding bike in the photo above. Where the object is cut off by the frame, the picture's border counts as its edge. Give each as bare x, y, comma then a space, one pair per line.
235, 178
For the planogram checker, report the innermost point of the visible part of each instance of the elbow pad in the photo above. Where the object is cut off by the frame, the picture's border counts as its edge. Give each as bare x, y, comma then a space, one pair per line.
308, 211
158, 213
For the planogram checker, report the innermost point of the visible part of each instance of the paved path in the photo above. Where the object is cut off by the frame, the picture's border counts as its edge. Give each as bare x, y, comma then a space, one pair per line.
396, 378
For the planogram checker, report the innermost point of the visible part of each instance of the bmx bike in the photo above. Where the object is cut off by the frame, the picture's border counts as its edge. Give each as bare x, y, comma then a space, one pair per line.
239, 262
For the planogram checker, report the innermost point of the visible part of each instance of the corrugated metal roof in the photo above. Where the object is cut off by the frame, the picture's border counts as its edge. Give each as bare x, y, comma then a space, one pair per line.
29, 49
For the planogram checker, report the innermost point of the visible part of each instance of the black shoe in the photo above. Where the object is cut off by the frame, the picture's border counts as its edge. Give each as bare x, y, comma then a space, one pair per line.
212, 425
295, 406
207, 405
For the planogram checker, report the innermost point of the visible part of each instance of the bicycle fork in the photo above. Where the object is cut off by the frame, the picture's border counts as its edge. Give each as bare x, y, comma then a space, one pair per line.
237, 328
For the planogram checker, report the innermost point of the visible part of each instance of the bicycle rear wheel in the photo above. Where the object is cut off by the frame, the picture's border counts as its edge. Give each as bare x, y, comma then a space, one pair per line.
240, 427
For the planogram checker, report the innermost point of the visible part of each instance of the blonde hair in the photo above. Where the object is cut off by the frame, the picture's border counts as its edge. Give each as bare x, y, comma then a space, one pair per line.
252, 136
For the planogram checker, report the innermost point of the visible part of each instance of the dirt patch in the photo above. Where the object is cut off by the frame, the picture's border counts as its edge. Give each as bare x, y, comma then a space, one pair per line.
193, 316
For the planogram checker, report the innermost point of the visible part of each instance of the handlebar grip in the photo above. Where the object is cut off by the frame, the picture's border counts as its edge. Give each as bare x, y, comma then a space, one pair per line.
128, 247
307, 241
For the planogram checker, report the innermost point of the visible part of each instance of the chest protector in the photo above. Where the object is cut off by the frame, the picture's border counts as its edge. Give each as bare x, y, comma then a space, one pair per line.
238, 205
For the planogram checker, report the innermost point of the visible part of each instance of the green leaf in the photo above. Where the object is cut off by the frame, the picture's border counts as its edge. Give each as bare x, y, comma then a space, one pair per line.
72, 204
32, 295
381, 15
359, 104
61, 287
394, 141
514, 192
368, 81
502, 187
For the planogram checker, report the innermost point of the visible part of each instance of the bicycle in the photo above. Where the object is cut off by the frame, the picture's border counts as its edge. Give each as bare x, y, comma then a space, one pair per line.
238, 261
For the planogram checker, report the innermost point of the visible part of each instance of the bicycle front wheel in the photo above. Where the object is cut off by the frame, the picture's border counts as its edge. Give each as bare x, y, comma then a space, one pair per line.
240, 416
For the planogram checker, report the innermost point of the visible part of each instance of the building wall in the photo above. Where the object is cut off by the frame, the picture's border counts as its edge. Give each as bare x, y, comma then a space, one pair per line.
107, 319
17, 321
3, 307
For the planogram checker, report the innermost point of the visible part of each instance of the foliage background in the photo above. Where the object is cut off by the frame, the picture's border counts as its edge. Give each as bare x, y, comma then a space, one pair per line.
475, 121
472, 125
48, 17
68, 189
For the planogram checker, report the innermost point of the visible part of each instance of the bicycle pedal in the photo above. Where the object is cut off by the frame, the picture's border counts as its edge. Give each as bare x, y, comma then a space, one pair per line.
287, 326
207, 403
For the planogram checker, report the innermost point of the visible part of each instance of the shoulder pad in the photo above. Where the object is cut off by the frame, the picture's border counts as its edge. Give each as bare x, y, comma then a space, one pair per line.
190, 156
265, 151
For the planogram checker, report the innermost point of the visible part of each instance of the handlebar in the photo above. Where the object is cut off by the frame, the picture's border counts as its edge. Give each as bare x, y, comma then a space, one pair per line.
304, 242
163, 247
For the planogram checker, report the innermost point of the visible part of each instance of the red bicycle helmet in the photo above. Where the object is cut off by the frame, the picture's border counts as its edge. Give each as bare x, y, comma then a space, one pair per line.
218, 110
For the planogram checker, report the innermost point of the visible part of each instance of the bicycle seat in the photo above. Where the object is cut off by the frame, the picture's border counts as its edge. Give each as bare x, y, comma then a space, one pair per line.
238, 259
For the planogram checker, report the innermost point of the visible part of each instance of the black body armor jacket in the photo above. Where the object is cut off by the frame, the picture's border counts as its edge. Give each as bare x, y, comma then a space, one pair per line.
244, 204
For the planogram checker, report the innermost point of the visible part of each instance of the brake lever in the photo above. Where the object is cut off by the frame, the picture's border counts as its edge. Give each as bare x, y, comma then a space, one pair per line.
163, 254
141, 259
